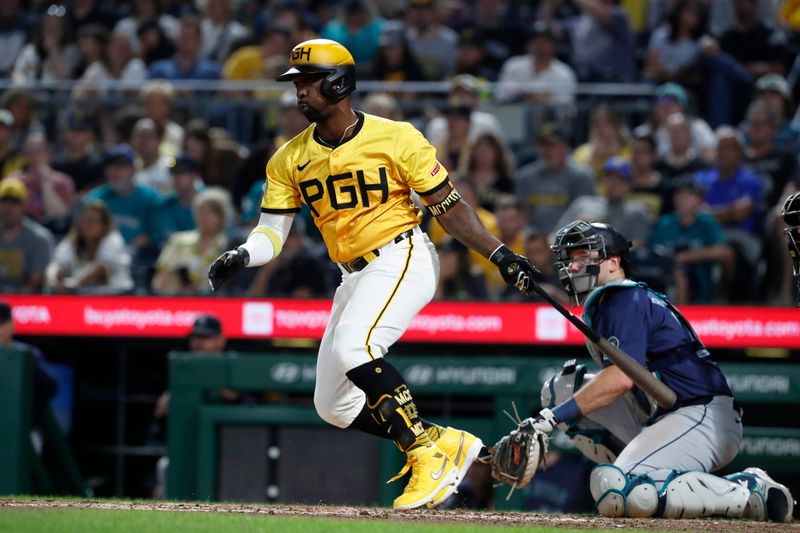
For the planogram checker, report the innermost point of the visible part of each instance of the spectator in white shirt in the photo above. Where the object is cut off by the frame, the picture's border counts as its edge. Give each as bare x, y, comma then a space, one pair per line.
118, 64
153, 169
465, 92
537, 76
220, 31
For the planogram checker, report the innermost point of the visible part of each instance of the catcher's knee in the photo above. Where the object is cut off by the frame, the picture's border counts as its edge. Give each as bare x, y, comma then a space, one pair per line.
615, 494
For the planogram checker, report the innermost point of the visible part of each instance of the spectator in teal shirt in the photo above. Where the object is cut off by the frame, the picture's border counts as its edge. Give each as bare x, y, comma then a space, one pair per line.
358, 30
694, 238
176, 210
135, 207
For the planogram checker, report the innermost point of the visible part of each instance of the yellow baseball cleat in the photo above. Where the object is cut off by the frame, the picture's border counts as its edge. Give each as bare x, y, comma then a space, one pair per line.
432, 471
462, 448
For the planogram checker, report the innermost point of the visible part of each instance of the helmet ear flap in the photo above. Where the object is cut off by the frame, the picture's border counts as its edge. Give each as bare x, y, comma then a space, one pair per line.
339, 83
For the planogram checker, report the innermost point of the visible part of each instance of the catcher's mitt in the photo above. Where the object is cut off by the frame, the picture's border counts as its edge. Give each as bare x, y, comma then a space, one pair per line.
516, 456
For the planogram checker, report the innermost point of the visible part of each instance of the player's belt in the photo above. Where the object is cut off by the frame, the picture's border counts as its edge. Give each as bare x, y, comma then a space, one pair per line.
357, 265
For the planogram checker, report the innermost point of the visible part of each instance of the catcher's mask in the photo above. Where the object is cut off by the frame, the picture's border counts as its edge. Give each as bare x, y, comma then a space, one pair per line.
323, 56
791, 216
597, 237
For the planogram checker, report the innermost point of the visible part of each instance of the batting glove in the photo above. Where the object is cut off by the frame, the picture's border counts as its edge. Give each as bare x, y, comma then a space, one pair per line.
515, 269
226, 266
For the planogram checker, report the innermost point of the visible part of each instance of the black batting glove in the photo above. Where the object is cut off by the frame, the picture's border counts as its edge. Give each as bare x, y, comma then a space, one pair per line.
226, 266
515, 269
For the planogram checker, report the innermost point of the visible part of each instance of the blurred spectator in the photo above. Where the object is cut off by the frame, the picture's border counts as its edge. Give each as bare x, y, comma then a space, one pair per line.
735, 195
671, 98
778, 170
223, 159
547, 186
487, 164
511, 222
44, 385
92, 42
615, 207
264, 61
674, 47
152, 168
295, 17
382, 105
537, 249
158, 99
14, 28
301, 274
196, 142
134, 207
25, 246
760, 49
10, 159
79, 158
182, 267
465, 94
156, 43
20, 102
395, 61
774, 92
790, 14
723, 14
472, 56
52, 56
458, 278
681, 157
175, 213
51, 194
92, 258
504, 26
433, 44
221, 32
187, 63
694, 239
456, 141
144, 11
358, 29
650, 186
537, 76
205, 337
777, 167
92, 12
603, 45
608, 137
118, 64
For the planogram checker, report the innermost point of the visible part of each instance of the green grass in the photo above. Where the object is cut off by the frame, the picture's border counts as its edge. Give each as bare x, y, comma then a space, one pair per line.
27, 520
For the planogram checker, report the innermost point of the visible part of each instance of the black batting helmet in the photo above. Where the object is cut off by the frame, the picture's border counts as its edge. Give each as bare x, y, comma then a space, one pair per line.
323, 56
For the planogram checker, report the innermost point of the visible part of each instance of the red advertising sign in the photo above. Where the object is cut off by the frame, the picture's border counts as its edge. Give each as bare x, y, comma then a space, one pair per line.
450, 322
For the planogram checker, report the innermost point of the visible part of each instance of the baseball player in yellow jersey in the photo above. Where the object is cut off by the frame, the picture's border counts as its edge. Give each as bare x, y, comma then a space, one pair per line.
356, 173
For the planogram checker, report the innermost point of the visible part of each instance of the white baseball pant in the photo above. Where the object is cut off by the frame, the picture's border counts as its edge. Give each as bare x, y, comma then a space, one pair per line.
371, 310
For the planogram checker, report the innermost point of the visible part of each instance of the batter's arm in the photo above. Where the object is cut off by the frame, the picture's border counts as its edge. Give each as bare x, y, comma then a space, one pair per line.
462, 222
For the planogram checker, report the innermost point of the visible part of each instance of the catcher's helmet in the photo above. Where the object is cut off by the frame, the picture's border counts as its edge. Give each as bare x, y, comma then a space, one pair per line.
791, 210
323, 56
603, 239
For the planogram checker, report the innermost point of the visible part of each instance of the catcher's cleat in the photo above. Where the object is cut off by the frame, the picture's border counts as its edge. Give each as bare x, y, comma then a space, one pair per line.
463, 449
431, 472
769, 500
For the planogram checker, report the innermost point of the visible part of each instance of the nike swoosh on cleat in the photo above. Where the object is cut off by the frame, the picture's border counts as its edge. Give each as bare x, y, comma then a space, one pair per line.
301, 167
460, 448
437, 475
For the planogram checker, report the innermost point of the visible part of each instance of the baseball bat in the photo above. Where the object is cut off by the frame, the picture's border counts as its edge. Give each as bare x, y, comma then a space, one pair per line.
663, 395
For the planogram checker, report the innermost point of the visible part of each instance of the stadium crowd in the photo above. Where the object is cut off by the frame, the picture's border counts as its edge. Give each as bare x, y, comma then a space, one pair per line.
140, 199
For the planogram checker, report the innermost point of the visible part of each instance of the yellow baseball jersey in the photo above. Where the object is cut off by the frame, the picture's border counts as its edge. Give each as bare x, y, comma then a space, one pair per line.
359, 192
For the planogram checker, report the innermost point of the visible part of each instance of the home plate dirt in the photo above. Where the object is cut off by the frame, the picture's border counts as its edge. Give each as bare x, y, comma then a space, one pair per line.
422, 516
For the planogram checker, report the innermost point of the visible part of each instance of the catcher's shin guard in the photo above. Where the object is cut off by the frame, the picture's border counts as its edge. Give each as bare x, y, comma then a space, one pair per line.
616, 495
694, 494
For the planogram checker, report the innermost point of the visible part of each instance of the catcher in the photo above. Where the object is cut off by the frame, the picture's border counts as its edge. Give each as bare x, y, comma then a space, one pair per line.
650, 462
